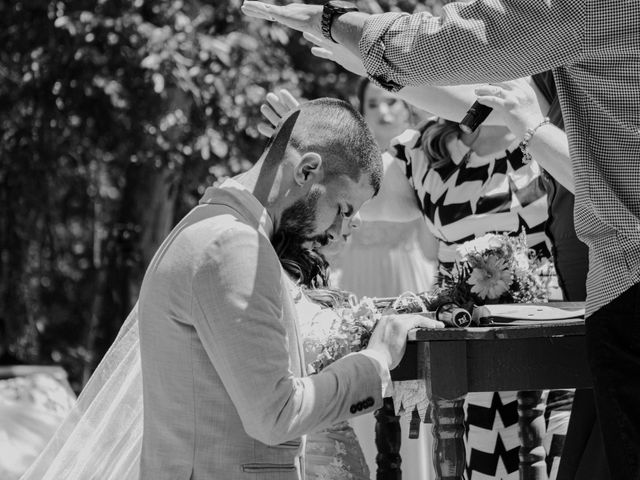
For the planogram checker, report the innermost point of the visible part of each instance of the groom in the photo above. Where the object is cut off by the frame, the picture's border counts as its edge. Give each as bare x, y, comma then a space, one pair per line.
225, 391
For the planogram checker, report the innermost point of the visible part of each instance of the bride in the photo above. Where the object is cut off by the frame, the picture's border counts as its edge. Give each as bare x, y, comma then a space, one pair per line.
101, 438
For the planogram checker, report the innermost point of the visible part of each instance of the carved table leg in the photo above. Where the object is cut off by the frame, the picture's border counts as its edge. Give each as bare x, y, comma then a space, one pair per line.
449, 456
533, 465
388, 438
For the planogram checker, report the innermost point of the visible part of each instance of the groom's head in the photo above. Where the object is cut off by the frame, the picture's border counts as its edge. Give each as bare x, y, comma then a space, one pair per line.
329, 165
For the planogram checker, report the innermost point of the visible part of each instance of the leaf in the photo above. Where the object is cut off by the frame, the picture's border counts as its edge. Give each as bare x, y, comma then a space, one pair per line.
158, 82
151, 62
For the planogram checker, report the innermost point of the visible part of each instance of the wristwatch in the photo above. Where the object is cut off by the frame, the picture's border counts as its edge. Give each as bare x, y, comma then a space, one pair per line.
332, 10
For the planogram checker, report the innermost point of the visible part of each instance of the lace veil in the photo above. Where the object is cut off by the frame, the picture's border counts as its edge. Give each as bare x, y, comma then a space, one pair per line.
101, 437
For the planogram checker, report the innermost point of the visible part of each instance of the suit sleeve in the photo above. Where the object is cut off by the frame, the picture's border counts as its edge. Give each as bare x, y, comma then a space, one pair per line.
238, 314
477, 42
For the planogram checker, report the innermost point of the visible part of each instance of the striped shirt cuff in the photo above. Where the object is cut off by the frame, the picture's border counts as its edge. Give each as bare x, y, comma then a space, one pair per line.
372, 49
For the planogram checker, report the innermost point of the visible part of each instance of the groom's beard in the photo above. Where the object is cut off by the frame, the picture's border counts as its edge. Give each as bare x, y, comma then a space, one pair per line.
299, 220
294, 236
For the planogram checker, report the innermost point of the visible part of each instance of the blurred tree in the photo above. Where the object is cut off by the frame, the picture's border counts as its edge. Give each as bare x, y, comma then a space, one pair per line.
115, 115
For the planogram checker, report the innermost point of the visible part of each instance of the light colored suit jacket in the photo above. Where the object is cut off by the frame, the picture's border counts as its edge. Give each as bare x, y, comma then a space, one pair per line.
225, 391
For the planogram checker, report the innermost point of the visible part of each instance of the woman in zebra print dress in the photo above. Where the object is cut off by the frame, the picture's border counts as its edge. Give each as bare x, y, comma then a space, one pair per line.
468, 185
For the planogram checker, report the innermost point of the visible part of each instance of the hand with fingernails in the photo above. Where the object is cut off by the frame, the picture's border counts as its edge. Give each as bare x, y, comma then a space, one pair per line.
276, 107
301, 17
336, 53
306, 19
515, 101
389, 338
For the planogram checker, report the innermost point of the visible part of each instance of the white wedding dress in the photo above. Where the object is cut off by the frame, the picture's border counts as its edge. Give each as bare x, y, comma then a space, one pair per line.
101, 438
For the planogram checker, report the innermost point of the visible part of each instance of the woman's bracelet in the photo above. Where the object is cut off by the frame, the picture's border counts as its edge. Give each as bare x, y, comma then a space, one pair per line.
526, 156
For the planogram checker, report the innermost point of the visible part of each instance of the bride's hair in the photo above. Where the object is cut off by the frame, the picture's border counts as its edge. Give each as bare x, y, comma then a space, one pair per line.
310, 269
307, 266
436, 133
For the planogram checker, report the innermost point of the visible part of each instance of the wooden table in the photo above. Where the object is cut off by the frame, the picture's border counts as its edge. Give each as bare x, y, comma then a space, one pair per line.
454, 362
11, 371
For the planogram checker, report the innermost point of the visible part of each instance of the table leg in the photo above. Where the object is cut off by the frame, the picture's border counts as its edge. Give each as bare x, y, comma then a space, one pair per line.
533, 465
449, 456
388, 439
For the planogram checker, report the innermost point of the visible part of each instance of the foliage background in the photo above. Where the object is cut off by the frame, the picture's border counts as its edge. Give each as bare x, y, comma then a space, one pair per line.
115, 115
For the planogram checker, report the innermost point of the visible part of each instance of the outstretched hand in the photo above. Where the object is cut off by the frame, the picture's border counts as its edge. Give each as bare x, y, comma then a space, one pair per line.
515, 101
275, 108
301, 17
306, 19
390, 335
337, 53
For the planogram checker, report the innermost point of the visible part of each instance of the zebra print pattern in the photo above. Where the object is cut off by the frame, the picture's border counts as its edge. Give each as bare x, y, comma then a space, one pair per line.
467, 198
475, 196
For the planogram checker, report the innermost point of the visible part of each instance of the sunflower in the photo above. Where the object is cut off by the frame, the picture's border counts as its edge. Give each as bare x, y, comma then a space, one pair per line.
490, 278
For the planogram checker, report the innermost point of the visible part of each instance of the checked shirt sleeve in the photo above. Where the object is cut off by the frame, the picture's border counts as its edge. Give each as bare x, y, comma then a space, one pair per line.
482, 41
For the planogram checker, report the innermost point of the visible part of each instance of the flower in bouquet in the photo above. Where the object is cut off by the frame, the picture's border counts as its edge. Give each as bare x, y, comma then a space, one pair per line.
345, 330
340, 331
494, 268
490, 276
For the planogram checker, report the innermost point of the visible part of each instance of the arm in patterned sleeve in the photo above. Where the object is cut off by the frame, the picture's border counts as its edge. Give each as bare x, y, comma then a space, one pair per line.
482, 41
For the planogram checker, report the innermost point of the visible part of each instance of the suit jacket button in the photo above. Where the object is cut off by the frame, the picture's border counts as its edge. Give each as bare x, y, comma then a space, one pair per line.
353, 409
360, 406
370, 402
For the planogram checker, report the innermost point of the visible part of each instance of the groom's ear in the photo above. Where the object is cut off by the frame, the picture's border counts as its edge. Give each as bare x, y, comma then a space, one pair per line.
308, 169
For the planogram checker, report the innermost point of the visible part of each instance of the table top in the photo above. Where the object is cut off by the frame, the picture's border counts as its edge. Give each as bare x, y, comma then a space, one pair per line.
10, 371
507, 329
555, 328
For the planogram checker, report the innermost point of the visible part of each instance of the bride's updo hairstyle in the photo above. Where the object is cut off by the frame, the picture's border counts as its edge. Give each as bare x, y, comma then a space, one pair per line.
336, 131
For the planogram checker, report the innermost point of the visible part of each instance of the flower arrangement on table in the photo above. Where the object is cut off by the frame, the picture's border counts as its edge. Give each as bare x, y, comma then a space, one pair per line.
494, 268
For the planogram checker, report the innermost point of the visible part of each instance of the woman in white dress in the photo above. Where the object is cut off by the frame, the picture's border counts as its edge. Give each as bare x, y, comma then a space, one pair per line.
334, 453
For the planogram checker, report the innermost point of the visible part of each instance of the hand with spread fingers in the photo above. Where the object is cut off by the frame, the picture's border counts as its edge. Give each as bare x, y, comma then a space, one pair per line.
275, 108
304, 18
515, 101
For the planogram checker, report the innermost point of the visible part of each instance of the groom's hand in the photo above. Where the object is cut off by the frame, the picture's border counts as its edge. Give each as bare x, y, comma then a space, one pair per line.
390, 335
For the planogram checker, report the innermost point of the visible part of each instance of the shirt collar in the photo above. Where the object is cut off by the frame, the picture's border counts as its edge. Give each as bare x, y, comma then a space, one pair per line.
234, 194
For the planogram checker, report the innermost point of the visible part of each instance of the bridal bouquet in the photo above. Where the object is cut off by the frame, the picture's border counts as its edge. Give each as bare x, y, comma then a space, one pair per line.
494, 268
346, 330
337, 332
